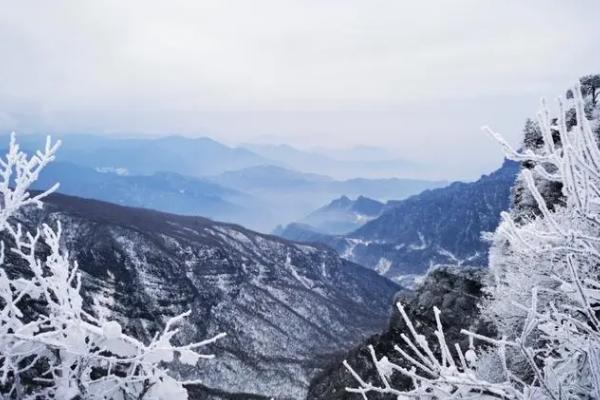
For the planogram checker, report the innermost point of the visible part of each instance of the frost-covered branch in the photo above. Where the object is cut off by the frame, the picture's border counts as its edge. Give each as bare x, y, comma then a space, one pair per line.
50, 347
545, 295
447, 372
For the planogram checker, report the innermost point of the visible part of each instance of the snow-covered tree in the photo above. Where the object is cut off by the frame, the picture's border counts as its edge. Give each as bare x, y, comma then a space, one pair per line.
544, 290
590, 85
50, 347
532, 136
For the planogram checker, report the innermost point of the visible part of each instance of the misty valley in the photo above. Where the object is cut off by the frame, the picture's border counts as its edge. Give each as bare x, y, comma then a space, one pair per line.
299, 200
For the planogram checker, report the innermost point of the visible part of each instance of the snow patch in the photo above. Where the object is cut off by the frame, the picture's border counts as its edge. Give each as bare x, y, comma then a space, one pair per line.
304, 281
383, 266
421, 246
113, 170
348, 253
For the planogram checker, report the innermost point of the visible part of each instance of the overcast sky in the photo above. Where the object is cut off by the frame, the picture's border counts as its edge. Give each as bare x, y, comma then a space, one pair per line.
417, 77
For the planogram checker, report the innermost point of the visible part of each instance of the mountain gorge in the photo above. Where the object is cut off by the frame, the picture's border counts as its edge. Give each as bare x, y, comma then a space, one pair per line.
437, 226
286, 307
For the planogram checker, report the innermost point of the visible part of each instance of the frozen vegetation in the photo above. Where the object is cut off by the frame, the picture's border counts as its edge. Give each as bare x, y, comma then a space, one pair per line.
49, 346
123, 313
542, 294
131, 320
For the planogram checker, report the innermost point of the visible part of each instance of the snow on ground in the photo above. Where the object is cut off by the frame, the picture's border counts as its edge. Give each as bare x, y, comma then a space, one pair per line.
421, 246
383, 266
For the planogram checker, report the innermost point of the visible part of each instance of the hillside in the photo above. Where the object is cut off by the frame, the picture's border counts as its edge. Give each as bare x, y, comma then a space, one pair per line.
284, 306
439, 226
165, 191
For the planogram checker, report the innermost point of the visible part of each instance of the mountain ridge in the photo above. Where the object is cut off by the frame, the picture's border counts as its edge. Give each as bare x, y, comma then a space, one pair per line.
343, 215
283, 305
437, 226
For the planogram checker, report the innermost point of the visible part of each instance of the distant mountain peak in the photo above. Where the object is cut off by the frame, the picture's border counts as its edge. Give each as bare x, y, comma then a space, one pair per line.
342, 202
362, 204
437, 226
368, 206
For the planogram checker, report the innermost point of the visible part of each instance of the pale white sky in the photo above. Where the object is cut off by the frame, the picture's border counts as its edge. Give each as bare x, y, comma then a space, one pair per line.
419, 77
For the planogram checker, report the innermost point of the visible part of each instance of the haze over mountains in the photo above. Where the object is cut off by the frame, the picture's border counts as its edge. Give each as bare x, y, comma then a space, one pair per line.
203, 177
141, 266
203, 156
286, 307
439, 226
398, 227
363, 161
341, 216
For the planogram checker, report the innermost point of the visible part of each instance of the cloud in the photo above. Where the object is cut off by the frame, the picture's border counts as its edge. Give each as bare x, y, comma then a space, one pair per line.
416, 76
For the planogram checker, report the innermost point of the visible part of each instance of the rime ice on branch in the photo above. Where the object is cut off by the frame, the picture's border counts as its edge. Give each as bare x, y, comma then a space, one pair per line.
62, 351
545, 295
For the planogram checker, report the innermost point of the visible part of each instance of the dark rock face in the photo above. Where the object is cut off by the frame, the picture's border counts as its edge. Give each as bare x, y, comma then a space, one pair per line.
283, 305
456, 291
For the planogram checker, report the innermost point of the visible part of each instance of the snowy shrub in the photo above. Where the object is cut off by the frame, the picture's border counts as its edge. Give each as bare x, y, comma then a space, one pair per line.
50, 347
544, 294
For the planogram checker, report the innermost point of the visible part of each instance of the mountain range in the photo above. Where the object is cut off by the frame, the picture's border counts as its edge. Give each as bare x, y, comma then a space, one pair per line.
166, 191
341, 216
195, 157
201, 177
370, 162
286, 307
203, 156
438, 226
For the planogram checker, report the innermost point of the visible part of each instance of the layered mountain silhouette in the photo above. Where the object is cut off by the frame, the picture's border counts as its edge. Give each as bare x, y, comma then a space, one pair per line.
439, 226
201, 177
341, 216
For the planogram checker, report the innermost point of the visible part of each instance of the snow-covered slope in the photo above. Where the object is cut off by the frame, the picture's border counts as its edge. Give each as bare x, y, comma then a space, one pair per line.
284, 306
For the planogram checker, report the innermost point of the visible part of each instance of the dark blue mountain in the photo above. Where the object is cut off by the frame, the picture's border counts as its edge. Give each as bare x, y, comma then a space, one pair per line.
144, 156
165, 191
439, 226
291, 195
